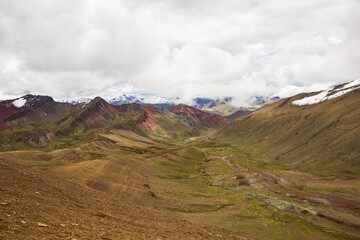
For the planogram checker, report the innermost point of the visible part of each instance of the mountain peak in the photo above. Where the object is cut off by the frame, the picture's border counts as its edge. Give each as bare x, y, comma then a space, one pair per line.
182, 108
97, 100
33, 101
33, 98
96, 105
89, 113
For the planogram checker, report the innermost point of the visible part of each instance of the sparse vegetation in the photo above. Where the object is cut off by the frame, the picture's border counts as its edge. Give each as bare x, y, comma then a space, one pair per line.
237, 178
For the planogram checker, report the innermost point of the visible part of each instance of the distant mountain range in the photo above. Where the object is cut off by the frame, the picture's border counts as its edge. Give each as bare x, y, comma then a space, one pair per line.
38, 119
223, 106
34, 120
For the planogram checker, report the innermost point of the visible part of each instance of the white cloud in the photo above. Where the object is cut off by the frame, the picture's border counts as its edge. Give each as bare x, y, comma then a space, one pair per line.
181, 48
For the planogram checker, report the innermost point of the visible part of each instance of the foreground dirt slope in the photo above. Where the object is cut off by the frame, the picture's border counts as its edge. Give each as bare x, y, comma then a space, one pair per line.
38, 205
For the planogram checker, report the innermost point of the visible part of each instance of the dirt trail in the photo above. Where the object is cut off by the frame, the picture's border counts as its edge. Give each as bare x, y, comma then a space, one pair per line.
334, 200
233, 165
272, 183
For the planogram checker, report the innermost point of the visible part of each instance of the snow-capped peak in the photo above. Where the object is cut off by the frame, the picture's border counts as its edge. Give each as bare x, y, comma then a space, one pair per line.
328, 94
20, 102
77, 100
124, 99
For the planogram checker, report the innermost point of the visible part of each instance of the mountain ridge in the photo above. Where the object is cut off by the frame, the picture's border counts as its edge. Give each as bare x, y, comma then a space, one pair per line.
284, 132
222, 106
43, 121
282, 170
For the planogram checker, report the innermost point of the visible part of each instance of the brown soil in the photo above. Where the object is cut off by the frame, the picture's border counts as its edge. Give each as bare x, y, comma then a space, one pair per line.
37, 205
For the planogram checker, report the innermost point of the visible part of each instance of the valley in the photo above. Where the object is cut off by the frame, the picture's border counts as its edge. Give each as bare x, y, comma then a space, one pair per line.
179, 120
209, 183
96, 170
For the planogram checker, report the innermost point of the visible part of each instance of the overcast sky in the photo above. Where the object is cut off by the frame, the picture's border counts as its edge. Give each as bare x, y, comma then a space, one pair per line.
184, 48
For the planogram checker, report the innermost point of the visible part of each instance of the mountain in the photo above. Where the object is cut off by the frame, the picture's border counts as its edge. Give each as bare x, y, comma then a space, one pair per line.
32, 121
76, 100
97, 170
328, 94
94, 112
313, 132
125, 99
198, 118
7, 108
223, 106
30, 108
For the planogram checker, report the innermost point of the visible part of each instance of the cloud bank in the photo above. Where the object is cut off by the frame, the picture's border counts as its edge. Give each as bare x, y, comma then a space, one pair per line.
177, 48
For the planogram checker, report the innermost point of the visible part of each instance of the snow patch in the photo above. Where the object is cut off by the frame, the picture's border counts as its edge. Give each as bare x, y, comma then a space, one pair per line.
352, 84
328, 94
76, 100
19, 102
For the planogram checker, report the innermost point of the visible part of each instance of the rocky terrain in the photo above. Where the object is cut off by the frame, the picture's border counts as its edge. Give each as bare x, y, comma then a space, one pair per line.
38, 205
94, 170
